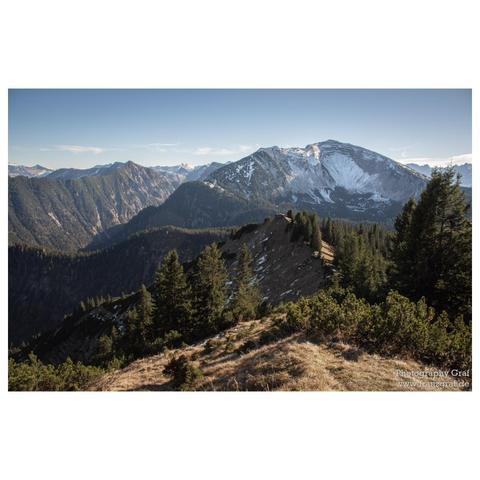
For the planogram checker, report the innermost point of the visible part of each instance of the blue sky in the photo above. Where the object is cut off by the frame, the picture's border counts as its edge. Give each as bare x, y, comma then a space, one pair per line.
82, 128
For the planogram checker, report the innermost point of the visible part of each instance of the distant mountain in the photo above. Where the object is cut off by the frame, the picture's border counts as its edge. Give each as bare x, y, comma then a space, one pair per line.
330, 177
201, 172
44, 286
66, 213
35, 171
465, 171
188, 173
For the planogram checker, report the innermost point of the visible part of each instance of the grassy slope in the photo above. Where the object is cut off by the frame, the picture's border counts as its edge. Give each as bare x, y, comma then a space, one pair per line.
292, 363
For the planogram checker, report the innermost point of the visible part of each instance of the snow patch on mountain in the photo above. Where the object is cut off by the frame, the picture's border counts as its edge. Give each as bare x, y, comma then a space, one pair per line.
346, 173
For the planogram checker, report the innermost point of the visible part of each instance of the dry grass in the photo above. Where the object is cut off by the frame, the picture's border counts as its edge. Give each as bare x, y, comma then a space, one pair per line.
289, 364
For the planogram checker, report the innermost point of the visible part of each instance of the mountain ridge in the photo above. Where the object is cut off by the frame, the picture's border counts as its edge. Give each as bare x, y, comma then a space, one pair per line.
68, 213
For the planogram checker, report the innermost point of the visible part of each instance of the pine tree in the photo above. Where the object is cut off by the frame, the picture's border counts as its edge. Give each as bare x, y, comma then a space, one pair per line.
307, 228
434, 255
209, 291
145, 314
402, 257
173, 298
316, 242
246, 297
139, 323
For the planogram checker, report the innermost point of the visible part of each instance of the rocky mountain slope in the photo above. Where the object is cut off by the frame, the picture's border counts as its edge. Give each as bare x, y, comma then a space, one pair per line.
284, 270
67, 213
240, 360
43, 286
465, 171
35, 171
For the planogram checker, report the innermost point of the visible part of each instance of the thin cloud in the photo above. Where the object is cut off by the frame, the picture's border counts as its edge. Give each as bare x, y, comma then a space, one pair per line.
76, 149
156, 146
239, 149
162, 144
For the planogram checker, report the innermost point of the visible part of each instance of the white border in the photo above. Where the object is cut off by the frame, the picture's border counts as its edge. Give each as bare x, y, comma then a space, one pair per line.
374, 44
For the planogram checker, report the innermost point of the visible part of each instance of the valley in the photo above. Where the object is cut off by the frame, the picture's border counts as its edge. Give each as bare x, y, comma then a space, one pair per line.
45, 286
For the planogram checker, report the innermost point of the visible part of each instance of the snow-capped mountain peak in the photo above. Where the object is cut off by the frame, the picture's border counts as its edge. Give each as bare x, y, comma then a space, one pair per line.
317, 174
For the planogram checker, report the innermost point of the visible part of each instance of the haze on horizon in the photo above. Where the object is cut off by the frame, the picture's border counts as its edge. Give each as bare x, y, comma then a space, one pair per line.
83, 128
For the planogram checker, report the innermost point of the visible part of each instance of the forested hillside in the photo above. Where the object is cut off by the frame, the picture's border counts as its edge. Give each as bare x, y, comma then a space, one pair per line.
44, 286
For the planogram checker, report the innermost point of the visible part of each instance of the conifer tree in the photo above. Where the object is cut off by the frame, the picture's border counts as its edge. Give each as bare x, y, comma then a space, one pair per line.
145, 311
139, 323
209, 291
316, 235
172, 296
403, 259
434, 254
246, 296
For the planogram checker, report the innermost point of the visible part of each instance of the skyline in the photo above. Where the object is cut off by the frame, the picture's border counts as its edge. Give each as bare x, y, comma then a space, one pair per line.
83, 128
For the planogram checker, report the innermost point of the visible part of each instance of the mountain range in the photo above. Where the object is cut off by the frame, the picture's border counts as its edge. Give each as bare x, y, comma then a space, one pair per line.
465, 171
97, 207
330, 178
66, 211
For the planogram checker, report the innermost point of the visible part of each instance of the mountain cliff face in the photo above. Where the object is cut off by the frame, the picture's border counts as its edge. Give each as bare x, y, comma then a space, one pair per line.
327, 176
67, 213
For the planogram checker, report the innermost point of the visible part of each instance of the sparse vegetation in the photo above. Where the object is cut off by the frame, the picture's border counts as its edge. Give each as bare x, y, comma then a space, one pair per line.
33, 375
397, 326
184, 373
